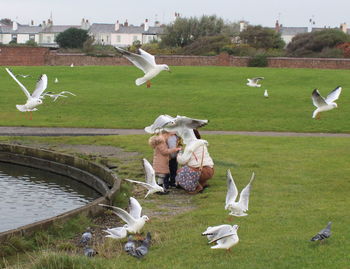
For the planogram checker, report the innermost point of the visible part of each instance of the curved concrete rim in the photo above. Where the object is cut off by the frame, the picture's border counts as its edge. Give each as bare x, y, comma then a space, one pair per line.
73, 131
96, 176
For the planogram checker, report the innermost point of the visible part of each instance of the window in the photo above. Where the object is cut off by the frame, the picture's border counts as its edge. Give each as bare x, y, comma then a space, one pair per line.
31, 36
118, 39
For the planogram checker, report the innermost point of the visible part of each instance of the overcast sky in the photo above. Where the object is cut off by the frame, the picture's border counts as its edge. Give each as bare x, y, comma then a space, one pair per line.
263, 12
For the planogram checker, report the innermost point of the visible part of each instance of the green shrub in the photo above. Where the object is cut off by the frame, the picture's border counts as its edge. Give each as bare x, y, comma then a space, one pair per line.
31, 43
239, 50
259, 60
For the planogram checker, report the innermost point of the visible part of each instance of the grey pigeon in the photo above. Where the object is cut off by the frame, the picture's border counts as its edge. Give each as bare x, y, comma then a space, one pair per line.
89, 252
142, 250
323, 234
86, 237
130, 246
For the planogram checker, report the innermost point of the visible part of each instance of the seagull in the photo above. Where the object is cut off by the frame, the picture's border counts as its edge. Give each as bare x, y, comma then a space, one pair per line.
55, 96
86, 237
32, 100
324, 104
56, 80
224, 235
117, 232
266, 94
133, 219
89, 252
239, 208
130, 246
142, 250
23, 76
254, 82
146, 62
323, 234
72, 65
150, 183
158, 124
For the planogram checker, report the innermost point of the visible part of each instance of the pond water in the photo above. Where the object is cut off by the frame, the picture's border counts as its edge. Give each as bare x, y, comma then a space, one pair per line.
28, 195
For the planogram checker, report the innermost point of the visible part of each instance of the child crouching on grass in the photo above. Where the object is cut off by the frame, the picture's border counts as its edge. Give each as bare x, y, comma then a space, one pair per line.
161, 155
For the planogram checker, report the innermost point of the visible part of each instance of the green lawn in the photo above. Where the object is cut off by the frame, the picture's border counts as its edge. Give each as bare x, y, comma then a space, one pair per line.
107, 97
301, 184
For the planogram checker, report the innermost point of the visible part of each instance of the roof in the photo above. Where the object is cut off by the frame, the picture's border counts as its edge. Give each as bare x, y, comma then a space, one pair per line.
110, 28
58, 28
293, 30
22, 29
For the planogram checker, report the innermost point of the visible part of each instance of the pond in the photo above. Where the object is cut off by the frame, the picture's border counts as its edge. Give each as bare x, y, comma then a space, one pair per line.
28, 195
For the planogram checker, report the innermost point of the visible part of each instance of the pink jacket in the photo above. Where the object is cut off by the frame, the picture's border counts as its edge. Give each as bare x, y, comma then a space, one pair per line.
161, 154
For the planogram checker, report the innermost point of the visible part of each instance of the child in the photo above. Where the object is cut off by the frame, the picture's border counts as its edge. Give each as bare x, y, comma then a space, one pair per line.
161, 158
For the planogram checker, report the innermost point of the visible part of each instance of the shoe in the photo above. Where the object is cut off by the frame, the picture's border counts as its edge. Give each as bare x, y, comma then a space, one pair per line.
197, 190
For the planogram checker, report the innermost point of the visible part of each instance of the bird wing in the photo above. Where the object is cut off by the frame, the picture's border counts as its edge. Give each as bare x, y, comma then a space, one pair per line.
224, 235
218, 232
244, 196
333, 95
317, 99
256, 80
150, 173
121, 213
232, 191
40, 86
140, 61
68, 92
326, 231
19, 83
135, 208
150, 58
144, 184
190, 122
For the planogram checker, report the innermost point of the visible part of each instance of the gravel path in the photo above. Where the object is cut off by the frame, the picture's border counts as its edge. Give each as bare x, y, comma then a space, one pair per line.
53, 131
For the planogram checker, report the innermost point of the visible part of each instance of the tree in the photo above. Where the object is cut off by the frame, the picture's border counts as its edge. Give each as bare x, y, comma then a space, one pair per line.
72, 38
311, 44
262, 37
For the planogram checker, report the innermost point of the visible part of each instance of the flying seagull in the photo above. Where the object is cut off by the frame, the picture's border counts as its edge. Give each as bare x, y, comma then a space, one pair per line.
23, 76
142, 250
323, 104
239, 208
55, 96
254, 82
323, 234
134, 220
224, 235
32, 100
146, 62
150, 183
117, 232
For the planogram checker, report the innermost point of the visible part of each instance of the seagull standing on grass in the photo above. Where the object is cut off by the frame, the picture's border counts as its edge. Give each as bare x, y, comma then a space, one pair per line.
56, 80
146, 62
323, 234
134, 220
150, 183
323, 104
32, 100
266, 95
224, 235
239, 208
254, 82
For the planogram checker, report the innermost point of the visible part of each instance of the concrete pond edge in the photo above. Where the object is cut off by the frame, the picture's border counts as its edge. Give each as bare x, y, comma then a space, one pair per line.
100, 178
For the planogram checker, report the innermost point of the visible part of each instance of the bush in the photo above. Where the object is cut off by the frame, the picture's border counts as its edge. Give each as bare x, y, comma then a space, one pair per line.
345, 47
72, 38
207, 45
259, 60
31, 43
239, 50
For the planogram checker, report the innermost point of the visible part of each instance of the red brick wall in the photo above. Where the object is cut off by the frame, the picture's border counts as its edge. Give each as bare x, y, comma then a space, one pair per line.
23, 56
43, 56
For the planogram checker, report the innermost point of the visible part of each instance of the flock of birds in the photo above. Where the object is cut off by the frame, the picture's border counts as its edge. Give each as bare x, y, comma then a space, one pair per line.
225, 236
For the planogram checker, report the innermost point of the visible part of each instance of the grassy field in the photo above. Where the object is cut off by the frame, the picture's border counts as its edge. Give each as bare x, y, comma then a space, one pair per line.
301, 184
107, 97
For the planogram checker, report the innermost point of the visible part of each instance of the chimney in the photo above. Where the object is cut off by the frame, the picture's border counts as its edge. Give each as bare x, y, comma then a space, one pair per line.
157, 24
14, 26
146, 26
116, 26
87, 23
43, 25
242, 26
126, 24
32, 23
344, 27
277, 27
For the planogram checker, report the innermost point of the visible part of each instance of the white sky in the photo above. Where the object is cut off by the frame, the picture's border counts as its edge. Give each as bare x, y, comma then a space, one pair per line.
263, 12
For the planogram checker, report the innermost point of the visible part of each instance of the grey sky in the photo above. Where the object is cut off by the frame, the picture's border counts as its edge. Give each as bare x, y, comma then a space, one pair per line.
264, 12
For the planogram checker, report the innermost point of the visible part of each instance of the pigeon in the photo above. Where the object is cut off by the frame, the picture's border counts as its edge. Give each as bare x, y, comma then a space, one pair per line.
86, 237
56, 80
55, 96
146, 62
130, 246
224, 235
324, 104
254, 82
32, 100
89, 252
323, 234
239, 208
134, 220
266, 95
117, 232
150, 183
142, 250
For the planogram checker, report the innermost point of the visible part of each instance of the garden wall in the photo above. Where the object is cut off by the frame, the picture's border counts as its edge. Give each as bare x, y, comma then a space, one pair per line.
28, 56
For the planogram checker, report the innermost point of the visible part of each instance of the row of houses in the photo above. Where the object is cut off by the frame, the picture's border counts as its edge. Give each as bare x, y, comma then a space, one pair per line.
118, 34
